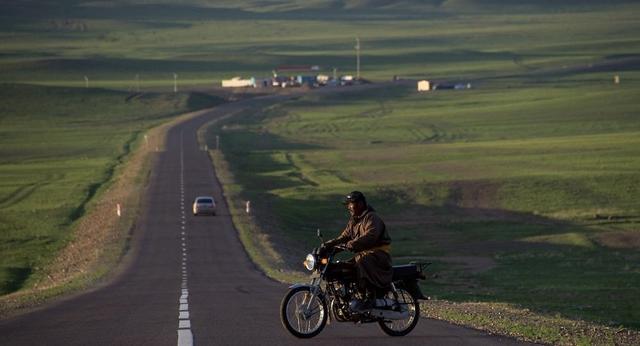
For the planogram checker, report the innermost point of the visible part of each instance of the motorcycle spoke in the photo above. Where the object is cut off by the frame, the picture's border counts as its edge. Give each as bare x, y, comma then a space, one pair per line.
314, 311
297, 313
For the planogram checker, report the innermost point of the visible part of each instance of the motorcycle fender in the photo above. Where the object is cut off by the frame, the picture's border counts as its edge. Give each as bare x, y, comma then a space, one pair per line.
412, 287
299, 285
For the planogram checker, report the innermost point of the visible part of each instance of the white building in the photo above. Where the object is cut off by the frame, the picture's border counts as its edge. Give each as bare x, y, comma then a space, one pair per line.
322, 79
424, 85
237, 82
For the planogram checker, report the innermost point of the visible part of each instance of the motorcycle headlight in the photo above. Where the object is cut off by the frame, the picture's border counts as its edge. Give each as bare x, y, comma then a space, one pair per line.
310, 262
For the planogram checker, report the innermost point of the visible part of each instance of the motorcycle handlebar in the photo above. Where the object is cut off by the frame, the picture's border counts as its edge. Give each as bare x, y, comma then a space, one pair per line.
334, 249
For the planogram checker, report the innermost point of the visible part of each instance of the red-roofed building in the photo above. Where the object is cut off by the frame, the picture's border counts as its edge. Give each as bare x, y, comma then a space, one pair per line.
297, 68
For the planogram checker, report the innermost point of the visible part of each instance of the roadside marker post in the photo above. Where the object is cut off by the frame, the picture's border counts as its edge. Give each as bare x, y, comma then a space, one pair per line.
248, 207
118, 210
175, 82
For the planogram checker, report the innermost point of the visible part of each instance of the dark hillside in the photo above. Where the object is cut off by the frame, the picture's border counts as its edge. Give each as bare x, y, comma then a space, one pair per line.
270, 9
529, 5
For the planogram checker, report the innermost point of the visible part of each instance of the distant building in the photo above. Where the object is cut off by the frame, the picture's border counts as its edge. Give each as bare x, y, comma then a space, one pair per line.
237, 82
447, 86
322, 79
346, 80
297, 68
263, 82
424, 85
311, 81
284, 81
442, 86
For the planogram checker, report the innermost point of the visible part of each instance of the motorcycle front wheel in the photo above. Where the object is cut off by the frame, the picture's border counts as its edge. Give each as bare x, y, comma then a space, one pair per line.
403, 327
303, 314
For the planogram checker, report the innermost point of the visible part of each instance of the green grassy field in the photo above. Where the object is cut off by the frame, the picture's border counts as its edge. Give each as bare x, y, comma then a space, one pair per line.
58, 149
537, 179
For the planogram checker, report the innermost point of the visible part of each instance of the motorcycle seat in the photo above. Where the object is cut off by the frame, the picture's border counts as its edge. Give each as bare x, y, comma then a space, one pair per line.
406, 271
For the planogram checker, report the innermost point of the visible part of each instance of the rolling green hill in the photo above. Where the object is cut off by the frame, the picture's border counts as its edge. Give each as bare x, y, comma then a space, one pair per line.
116, 44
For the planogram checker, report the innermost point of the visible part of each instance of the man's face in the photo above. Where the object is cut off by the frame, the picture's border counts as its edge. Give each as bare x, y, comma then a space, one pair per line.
355, 208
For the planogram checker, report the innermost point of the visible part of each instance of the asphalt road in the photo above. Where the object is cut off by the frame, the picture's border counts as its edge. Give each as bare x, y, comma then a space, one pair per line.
190, 280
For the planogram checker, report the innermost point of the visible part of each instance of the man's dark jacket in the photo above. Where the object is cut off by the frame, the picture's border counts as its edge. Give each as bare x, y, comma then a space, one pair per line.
367, 236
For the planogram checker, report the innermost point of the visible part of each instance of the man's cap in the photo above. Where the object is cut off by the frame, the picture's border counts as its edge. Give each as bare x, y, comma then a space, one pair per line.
354, 196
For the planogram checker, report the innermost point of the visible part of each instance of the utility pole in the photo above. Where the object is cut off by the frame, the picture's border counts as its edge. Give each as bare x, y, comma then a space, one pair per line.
175, 82
357, 57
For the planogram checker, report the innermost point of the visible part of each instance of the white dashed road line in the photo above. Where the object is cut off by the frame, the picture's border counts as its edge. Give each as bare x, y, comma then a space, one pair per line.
185, 336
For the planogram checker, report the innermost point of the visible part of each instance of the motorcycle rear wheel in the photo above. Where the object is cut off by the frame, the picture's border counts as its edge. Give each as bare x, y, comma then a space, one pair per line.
402, 327
303, 314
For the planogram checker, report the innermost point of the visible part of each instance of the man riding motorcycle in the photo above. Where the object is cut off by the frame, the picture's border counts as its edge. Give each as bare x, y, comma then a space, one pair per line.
366, 235
344, 291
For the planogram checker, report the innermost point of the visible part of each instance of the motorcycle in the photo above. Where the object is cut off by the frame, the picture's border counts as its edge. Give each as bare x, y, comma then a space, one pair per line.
333, 295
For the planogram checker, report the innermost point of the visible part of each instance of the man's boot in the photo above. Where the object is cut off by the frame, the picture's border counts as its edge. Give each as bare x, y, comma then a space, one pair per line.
367, 303
381, 299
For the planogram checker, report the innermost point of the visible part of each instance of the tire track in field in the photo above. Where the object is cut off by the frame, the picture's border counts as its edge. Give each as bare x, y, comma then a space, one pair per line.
436, 134
298, 172
23, 192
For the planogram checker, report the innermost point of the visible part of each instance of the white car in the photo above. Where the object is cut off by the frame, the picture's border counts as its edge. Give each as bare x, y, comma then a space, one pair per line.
204, 205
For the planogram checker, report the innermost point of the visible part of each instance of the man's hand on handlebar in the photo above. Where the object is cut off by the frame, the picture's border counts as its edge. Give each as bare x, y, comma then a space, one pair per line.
341, 247
330, 246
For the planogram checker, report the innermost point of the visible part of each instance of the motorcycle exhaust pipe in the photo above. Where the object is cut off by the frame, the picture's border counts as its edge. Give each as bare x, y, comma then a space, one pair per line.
390, 315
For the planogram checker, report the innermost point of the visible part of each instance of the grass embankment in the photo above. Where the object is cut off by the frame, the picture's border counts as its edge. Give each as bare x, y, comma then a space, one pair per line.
63, 154
522, 193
